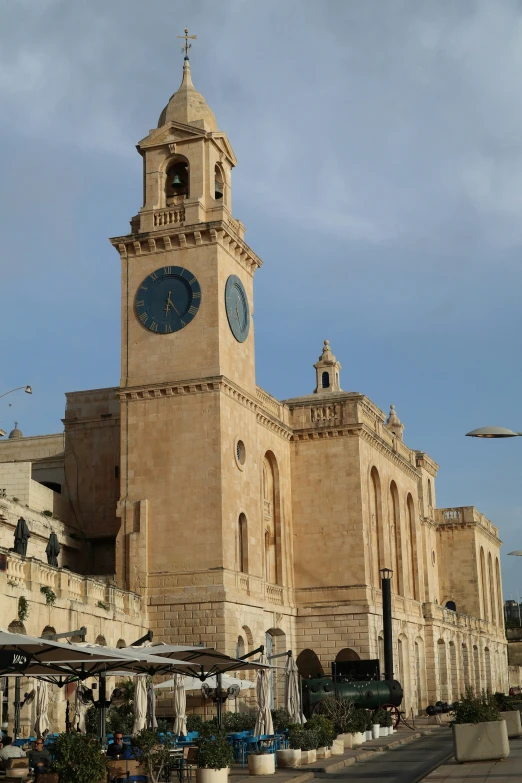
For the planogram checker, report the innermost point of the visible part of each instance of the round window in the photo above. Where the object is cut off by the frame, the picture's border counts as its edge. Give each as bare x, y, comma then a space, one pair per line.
240, 453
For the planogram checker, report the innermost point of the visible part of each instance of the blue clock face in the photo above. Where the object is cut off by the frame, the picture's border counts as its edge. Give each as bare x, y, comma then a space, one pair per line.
168, 299
238, 312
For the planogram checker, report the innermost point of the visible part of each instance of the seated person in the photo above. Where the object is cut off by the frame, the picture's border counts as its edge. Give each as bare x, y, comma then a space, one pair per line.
118, 747
39, 758
9, 751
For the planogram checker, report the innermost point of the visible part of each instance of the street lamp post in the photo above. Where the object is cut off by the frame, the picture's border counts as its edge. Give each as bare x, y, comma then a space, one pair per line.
27, 390
492, 432
386, 575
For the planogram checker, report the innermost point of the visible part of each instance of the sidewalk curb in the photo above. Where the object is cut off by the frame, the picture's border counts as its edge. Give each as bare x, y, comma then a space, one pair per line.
363, 755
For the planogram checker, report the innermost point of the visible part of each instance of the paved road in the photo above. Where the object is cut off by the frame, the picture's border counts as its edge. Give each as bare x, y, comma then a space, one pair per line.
405, 764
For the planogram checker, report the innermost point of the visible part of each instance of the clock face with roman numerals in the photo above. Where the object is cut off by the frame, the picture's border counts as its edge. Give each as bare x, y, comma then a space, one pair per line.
168, 299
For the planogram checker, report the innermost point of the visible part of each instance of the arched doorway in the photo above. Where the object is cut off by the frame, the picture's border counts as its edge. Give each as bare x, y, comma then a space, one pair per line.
309, 665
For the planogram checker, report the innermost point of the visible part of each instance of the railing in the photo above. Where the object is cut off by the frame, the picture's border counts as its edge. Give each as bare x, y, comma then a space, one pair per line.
169, 217
15, 570
268, 402
274, 594
75, 585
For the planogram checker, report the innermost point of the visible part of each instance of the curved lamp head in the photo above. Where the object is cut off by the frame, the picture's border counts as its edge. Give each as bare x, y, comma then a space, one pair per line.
386, 573
517, 552
492, 432
28, 390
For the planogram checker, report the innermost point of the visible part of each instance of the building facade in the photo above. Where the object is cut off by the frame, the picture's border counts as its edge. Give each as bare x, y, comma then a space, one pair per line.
236, 518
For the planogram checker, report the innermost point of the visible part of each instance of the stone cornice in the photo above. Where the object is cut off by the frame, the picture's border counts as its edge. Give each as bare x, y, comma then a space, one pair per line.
426, 462
218, 383
222, 232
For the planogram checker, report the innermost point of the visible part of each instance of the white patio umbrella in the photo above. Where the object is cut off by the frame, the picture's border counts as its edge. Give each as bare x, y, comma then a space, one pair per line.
41, 727
194, 683
80, 708
152, 723
140, 703
180, 706
264, 723
292, 693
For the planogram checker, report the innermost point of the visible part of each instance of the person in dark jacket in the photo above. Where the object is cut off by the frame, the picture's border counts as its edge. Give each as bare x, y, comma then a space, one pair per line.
39, 758
116, 748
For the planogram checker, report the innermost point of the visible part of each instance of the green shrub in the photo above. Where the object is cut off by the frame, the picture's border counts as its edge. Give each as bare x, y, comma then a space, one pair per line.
505, 703
324, 728
121, 717
388, 719
77, 758
280, 719
215, 753
340, 711
50, 595
23, 608
358, 721
379, 717
296, 736
194, 723
476, 709
239, 721
369, 721
147, 747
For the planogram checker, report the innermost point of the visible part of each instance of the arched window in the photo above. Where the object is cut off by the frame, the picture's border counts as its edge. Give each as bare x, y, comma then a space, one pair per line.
347, 654
48, 631
219, 183
500, 607
451, 605
177, 182
240, 647
395, 528
309, 665
272, 516
485, 613
243, 544
120, 644
100, 640
492, 599
17, 627
376, 535
325, 380
413, 549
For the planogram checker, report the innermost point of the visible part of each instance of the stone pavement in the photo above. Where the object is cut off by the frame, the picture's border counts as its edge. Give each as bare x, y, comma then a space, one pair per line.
507, 771
335, 764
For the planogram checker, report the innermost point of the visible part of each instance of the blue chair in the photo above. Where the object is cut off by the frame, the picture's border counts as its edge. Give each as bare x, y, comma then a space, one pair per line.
248, 745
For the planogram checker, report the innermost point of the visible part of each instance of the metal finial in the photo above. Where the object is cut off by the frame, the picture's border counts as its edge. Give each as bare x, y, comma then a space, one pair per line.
186, 46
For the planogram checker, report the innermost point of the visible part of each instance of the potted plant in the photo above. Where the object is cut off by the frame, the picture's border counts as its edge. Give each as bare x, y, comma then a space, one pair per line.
388, 721
478, 732
379, 719
375, 726
509, 713
214, 759
291, 757
78, 758
308, 741
340, 711
152, 754
324, 728
261, 762
358, 727
369, 724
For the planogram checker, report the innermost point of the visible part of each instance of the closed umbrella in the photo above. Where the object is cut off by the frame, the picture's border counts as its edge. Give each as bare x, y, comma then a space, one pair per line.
140, 704
264, 723
80, 708
292, 694
194, 683
180, 706
41, 727
152, 723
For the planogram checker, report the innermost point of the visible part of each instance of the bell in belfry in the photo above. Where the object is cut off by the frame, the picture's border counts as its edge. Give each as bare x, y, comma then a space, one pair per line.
218, 187
177, 182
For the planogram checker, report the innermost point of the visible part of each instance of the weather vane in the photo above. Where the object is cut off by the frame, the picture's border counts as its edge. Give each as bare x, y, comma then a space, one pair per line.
186, 46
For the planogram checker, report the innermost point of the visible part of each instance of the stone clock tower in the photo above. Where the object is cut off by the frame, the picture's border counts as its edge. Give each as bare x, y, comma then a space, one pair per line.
187, 365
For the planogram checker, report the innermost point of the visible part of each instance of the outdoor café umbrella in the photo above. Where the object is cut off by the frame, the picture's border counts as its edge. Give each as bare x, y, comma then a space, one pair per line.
292, 694
41, 727
140, 704
194, 683
152, 723
80, 708
264, 723
200, 662
180, 706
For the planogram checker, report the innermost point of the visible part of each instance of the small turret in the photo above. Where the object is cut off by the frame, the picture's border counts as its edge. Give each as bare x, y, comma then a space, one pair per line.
394, 424
327, 370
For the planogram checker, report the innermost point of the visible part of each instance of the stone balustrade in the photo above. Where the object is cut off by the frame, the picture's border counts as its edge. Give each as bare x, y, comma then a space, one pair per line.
174, 216
30, 574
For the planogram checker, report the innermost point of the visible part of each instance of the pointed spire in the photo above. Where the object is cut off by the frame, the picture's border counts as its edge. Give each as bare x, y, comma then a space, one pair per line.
187, 105
327, 371
394, 424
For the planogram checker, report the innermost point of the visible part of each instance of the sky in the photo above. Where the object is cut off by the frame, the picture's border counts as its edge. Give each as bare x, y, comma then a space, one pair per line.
379, 177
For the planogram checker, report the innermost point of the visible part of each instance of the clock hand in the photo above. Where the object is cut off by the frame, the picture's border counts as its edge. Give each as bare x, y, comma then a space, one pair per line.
167, 305
171, 303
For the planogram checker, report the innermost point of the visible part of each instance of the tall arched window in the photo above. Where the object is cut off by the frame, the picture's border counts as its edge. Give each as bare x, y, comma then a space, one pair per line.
500, 608
325, 380
272, 518
413, 549
396, 540
177, 181
485, 613
243, 544
376, 537
492, 598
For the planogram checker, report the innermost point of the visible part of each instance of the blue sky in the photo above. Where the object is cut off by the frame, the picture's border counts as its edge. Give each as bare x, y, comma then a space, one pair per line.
379, 178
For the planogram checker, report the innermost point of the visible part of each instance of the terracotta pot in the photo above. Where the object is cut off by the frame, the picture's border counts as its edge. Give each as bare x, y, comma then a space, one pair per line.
212, 775
480, 741
288, 758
